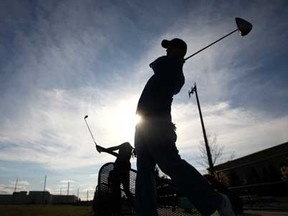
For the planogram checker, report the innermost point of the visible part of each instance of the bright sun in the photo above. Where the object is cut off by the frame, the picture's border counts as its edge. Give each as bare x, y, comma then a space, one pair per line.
124, 121
137, 119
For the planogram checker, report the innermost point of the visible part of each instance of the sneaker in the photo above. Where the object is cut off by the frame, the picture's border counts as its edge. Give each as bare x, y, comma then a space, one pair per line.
225, 208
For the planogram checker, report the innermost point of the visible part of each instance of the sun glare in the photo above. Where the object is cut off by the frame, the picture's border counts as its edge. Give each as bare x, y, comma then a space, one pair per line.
125, 120
137, 119
126, 125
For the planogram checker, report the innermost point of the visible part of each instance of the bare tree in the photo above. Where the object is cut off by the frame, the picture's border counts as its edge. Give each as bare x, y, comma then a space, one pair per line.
217, 152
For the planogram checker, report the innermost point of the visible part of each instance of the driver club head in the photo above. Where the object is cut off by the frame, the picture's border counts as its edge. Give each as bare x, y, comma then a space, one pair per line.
243, 26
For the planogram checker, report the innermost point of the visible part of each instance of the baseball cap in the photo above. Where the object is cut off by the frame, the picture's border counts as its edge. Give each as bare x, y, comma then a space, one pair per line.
176, 42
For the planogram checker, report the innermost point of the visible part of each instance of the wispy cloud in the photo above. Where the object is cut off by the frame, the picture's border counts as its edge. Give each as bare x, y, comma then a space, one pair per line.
62, 60
235, 128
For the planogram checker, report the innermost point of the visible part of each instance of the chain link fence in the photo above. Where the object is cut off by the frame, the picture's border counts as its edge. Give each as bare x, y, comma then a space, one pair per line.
169, 202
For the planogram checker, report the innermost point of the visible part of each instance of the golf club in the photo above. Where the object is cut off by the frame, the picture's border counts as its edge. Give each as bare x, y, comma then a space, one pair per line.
243, 26
91, 133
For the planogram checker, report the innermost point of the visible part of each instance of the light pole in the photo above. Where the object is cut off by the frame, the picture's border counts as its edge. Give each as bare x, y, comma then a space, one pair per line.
211, 166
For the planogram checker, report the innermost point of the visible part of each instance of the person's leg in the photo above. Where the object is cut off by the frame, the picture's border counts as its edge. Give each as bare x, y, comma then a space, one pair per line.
186, 178
145, 181
125, 180
191, 184
116, 193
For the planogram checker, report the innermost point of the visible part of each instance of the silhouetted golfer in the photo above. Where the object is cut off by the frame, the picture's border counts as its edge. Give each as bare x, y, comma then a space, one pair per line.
120, 174
155, 139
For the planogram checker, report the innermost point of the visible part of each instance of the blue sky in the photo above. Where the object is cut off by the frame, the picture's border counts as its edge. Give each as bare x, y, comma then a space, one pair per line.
61, 60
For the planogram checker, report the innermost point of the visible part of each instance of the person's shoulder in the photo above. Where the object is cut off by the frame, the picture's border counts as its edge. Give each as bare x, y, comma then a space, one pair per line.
162, 58
158, 61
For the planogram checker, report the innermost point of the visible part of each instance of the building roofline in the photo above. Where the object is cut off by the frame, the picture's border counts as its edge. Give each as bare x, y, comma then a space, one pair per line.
255, 157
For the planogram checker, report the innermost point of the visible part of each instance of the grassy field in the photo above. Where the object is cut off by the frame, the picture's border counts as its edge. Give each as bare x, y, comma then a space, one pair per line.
44, 210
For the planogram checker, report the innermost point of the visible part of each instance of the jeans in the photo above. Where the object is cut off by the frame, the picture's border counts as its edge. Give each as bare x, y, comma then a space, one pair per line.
155, 144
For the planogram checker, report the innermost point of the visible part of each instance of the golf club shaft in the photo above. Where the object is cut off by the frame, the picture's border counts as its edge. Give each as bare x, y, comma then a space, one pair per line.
90, 133
210, 44
96, 145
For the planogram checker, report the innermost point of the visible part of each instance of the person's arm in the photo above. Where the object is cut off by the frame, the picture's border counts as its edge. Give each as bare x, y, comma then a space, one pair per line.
114, 148
107, 150
179, 82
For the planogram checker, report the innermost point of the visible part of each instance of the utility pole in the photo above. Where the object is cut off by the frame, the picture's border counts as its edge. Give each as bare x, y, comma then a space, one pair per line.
211, 166
15, 188
43, 193
45, 183
68, 188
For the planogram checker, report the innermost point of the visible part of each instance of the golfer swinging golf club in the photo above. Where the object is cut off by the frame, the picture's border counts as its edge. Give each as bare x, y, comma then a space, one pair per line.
120, 174
155, 139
